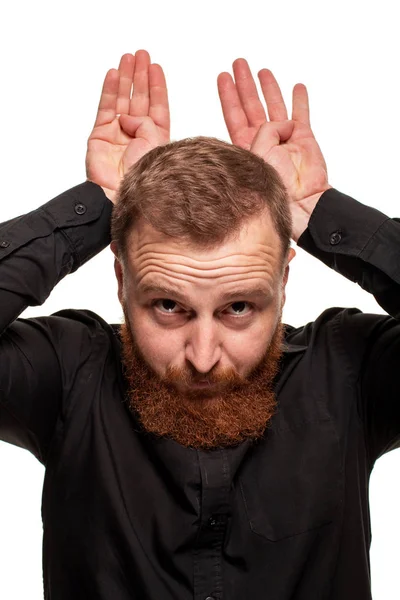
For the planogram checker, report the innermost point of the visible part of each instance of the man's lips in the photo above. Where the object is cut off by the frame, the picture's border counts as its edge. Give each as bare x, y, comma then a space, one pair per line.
204, 385
201, 384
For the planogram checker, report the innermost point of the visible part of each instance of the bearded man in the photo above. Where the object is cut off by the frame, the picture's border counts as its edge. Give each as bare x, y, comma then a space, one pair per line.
202, 450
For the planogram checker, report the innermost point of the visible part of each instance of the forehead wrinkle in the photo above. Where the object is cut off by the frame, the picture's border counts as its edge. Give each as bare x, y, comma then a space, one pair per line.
189, 275
208, 269
178, 267
162, 254
146, 243
154, 257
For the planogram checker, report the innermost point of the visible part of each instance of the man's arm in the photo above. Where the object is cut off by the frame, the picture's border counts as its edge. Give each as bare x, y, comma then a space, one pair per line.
38, 249
358, 242
363, 244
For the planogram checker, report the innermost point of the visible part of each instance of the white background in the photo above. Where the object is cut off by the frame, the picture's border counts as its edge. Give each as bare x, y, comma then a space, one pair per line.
53, 59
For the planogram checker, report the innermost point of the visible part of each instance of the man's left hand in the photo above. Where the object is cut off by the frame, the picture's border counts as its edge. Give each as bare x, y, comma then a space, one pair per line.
287, 145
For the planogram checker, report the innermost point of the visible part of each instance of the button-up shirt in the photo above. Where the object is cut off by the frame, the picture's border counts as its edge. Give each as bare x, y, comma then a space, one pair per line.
129, 516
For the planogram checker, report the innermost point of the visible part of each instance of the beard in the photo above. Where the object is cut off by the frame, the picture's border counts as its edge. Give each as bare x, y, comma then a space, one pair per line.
235, 409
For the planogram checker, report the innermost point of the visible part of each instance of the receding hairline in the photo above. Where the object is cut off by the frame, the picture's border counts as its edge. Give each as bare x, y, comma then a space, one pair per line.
200, 191
208, 245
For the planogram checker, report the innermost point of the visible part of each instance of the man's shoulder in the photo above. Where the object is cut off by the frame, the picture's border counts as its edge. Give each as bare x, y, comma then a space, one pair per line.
68, 328
349, 331
90, 321
86, 317
329, 321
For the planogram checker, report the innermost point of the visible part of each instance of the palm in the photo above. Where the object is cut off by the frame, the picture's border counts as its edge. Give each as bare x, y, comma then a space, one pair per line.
111, 152
108, 153
299, 162
128, 124
288, 145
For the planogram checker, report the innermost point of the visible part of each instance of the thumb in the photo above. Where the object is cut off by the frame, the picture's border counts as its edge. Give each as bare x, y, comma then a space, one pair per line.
139, 127
270, 134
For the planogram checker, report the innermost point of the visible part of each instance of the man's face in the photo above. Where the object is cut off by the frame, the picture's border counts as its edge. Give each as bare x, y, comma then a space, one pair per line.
200, 324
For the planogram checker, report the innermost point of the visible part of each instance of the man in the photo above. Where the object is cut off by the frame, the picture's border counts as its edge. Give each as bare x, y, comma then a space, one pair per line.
201, 450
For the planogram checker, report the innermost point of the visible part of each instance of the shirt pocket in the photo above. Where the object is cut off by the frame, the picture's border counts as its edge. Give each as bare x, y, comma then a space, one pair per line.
293, 481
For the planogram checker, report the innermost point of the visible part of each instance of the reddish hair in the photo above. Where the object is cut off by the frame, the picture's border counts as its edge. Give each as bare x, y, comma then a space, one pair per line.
200, 190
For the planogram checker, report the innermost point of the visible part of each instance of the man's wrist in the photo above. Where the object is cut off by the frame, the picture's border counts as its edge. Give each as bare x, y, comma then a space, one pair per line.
110, 194
302, 211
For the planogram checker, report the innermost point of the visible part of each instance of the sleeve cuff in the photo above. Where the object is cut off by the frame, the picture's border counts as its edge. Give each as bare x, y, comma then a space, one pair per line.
72, 210
353, 238
340, 224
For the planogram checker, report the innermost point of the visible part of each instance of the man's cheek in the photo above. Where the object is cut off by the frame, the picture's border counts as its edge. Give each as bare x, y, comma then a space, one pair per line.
158, 355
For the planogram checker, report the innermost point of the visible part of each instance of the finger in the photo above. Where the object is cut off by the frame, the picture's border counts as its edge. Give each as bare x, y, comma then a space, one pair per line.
232, 109
271, 134
140, 127
126, 69
273, 96
139, 106
159, 107
108, 99
248, 94
301, 106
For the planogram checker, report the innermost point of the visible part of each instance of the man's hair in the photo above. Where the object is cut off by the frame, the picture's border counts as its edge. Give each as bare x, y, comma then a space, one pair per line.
200, 190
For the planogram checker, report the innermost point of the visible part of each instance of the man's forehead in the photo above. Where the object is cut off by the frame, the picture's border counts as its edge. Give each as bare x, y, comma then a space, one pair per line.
249, 264
256, 236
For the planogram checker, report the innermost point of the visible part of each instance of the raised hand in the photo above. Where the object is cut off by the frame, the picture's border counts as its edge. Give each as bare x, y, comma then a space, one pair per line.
288, 145
129, 122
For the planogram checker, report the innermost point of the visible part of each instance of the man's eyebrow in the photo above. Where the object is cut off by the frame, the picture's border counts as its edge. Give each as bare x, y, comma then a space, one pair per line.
153, 288
247, 292
238, 292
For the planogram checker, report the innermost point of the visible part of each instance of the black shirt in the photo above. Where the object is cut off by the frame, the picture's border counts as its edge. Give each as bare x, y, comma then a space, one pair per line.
129, 516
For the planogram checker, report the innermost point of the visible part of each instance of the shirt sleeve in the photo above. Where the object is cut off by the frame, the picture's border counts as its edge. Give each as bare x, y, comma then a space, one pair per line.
363, 244
36, 251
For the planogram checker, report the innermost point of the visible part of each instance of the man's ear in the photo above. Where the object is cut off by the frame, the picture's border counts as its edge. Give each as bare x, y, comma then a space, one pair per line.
119, 272
291, 255
114, 248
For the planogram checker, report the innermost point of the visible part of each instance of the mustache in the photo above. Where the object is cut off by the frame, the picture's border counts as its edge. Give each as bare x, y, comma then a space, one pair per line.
228, 376
218, 380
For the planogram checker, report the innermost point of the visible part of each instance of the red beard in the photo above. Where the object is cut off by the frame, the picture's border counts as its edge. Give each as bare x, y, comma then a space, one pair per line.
237, 409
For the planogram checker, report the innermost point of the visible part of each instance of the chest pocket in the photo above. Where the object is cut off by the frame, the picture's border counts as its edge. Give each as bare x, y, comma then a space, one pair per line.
292, 482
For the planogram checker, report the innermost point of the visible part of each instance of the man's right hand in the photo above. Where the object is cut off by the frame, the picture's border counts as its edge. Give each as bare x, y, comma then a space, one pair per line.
129, 123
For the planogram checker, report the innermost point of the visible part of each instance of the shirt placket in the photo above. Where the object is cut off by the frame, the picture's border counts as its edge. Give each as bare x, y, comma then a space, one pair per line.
215, 513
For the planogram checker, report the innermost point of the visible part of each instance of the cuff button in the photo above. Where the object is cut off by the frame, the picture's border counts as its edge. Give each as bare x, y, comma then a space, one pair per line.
335, 238
4, 244
80, 209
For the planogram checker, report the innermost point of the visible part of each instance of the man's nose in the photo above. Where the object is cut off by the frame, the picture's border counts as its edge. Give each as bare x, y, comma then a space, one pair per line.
203, 347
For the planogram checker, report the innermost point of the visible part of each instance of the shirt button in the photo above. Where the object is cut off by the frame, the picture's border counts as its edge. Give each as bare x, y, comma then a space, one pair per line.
335, 238
212, 521
4, 244
80, 209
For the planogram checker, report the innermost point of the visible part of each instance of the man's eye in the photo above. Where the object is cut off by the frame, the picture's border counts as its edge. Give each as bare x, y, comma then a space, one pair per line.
165, 305
239, 308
